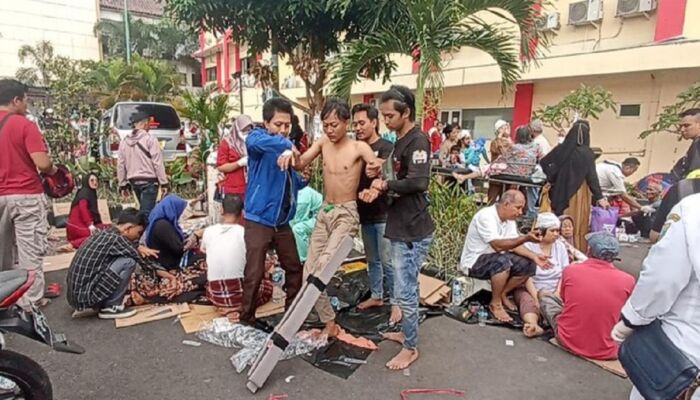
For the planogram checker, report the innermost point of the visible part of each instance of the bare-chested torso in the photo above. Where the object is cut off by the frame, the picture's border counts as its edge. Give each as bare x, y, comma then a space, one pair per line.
342, 166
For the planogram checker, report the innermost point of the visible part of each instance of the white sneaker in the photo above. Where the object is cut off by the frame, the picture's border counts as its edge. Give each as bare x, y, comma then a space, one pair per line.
116, 312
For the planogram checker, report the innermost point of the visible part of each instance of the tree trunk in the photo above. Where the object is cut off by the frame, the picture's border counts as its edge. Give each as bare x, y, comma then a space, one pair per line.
420, 96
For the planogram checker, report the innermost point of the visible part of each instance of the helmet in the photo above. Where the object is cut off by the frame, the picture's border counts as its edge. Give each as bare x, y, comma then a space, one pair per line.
59, 184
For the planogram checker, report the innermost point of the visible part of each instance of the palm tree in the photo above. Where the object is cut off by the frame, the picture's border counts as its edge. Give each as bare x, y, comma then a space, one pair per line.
154, 80
428, 29
142, 37
41, 55
111, 82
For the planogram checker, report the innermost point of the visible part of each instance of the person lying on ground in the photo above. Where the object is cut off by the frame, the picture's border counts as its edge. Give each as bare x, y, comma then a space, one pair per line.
338, 218
98, 276
224, 246
592, 295
373, 216
544, 280
494, 251
165, 234
84, 217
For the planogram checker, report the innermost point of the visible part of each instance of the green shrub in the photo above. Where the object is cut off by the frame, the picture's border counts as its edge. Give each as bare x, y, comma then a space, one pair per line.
452, 210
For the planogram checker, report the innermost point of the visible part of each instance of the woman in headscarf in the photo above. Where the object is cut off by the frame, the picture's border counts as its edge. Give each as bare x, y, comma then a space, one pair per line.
164, 232
499, 146
574, 186
84, 215
232, 157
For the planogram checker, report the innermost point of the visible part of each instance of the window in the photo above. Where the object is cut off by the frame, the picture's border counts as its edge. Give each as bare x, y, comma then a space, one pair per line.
451, 116
480, 122
196, 79
162, 116
630, 110
211, 74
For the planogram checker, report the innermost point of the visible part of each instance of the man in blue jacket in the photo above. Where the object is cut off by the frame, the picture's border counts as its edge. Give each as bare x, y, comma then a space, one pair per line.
270, 203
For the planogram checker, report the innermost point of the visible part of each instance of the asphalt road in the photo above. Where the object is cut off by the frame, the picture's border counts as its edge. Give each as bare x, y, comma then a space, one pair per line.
150, 362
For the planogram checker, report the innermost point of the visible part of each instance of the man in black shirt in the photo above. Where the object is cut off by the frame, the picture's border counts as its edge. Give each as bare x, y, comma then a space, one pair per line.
408, 225
365, 120
690, 130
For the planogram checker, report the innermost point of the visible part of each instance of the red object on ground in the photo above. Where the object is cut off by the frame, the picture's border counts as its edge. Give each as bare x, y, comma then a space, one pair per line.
447, 392
357, 341
52, 291
277, 397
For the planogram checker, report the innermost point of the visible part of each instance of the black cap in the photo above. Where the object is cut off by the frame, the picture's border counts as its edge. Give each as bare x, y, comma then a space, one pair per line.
139, 116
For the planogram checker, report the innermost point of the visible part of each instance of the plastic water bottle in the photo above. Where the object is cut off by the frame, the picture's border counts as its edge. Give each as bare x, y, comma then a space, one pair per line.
335, 303
457, 293
278, 278
482, 315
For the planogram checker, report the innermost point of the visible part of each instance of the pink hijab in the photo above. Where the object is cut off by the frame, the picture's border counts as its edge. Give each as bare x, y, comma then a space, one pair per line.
236, 139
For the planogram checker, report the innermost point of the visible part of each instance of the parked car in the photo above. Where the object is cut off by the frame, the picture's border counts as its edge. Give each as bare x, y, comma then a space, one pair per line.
165, 126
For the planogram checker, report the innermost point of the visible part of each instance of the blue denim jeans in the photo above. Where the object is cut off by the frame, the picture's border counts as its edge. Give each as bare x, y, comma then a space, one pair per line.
147, 193
408, 258
124, 267
533, 194
379, 266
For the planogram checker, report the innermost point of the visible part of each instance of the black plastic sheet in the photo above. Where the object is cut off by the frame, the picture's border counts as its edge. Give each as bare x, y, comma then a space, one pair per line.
338, 358
483, 297
350, 289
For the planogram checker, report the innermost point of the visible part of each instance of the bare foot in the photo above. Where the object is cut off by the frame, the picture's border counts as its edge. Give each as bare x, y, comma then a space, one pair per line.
332, 329
498, 312
509, 305
532, 330
370, 303
396, 315
397, 337
403, 360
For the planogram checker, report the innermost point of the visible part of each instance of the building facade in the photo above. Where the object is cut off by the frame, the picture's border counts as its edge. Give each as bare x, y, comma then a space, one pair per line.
67, 24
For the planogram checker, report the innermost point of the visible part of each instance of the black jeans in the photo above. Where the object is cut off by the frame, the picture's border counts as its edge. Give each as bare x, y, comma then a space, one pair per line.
146, 193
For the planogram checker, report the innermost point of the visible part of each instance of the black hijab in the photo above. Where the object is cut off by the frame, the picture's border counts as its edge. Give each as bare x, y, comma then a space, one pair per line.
87, 193
568, 164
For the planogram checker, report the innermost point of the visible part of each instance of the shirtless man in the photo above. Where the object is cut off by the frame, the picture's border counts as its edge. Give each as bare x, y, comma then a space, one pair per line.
342, 165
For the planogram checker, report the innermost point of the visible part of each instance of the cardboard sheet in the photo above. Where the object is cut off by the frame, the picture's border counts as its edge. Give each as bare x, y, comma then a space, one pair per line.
612, 366
432, 290
269, 309
197, 318
58, 262
353, 266
152, 313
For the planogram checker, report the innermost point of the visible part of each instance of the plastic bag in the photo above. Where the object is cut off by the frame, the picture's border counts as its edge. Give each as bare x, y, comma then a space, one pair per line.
604, 219
304, 342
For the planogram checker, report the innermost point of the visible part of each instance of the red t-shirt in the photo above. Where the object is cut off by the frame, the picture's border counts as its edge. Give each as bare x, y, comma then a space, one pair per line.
19, 138
234, 182
435, 142
593, 293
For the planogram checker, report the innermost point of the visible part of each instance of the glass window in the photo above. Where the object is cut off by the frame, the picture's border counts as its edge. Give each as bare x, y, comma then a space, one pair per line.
630, 110
480, 121
211, 74
162, 116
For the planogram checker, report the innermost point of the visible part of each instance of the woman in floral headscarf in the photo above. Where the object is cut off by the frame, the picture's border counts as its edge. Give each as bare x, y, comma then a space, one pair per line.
232, 158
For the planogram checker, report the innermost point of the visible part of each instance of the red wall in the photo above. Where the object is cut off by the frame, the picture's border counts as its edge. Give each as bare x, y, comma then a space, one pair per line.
203, 64
522, 109
670, 18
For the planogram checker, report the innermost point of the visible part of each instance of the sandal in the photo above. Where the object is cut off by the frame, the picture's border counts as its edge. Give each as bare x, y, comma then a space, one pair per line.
52, 291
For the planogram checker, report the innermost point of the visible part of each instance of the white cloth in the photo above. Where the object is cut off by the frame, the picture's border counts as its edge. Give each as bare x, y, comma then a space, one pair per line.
486, 226
612, 181
548, 279
224, 245
669, 287
543, 144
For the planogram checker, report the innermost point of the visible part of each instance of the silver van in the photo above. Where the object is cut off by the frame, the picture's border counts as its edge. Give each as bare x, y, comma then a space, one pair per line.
165, 126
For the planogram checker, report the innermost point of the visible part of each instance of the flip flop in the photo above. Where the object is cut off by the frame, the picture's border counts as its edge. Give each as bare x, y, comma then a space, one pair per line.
52, 291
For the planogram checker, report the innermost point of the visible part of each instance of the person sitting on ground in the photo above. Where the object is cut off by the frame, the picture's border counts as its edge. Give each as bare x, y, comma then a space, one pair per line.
99, 275
567, 234
643, 218
494, 251
611, 176
224, 246
545, 280
165, 234
592, 295
676, 193
84, 217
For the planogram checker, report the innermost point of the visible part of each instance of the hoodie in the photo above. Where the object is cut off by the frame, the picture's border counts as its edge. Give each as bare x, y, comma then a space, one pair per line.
271, 194
135, 164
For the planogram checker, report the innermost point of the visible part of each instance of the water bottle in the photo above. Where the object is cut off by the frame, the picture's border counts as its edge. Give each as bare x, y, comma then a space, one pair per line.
278, 278
483, 315
335, 303
457, 293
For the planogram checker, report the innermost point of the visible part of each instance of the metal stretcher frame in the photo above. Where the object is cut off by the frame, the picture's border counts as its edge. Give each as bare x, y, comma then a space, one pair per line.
294, 317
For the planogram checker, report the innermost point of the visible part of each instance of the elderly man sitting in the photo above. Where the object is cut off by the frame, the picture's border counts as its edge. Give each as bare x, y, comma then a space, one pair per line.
493, 250
592, 295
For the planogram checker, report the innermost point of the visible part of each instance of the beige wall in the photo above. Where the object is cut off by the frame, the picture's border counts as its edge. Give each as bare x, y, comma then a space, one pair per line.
67, 24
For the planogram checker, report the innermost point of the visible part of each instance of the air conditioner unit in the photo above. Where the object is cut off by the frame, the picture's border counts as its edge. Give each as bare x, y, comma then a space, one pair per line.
585, 12
548, 22
631, 8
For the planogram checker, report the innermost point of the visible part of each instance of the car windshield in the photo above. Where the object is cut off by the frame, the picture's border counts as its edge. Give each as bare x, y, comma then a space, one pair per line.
162, 116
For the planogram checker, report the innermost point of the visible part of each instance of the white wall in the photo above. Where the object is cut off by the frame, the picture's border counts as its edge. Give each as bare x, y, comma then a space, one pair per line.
67, 24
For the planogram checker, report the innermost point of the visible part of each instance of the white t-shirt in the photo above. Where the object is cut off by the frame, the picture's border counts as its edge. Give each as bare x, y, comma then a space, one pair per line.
543, 144
224, 245
485, 227
612, 181
549, 278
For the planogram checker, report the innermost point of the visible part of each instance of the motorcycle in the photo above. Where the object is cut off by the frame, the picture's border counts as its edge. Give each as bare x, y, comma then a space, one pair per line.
20, 376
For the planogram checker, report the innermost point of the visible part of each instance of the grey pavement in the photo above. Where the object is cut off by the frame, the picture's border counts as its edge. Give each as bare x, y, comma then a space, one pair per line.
149, 361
